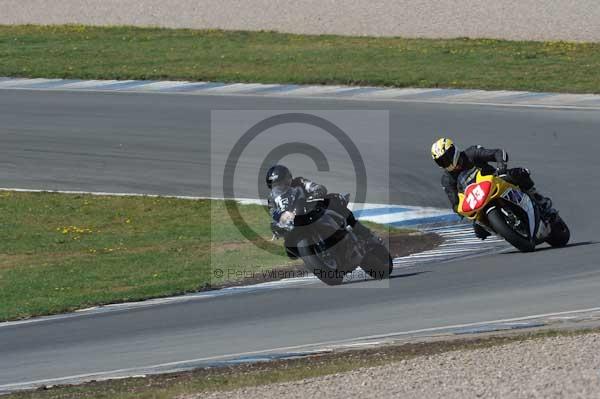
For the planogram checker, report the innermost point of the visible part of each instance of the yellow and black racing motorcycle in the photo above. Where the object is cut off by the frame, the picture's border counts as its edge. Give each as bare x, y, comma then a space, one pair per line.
504, 209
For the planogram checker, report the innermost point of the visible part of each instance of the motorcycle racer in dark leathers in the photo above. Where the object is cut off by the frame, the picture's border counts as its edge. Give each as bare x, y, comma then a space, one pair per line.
318, 228
447, 156
279, 179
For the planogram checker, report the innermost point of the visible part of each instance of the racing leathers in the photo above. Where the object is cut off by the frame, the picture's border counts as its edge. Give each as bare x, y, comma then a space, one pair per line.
313, 190
478, 156
276, 208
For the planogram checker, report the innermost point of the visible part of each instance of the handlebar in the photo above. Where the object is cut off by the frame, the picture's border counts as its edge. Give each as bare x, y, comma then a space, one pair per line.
501, 169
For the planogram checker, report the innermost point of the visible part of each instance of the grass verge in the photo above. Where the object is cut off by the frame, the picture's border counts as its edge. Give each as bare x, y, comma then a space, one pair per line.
240, 376
61, 252
75, 51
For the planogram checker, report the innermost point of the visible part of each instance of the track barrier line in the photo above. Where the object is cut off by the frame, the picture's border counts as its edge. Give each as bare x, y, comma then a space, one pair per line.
364, 93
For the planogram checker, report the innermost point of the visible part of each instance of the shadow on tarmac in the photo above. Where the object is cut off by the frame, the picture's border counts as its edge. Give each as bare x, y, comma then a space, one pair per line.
549, 248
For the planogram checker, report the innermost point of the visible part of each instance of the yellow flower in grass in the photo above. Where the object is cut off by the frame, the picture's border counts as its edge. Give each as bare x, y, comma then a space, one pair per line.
75, 230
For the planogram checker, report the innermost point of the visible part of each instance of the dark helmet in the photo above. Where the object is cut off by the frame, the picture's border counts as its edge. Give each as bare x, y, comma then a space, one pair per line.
278, 175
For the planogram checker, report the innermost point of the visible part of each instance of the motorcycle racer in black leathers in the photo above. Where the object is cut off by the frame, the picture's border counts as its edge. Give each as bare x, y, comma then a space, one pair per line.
279, 179
448, 157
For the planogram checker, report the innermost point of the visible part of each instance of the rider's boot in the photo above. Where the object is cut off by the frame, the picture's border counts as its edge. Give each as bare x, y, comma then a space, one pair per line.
480, 232
543, 203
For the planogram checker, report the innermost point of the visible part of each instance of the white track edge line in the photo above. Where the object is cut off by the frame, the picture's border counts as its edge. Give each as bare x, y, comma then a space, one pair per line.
324, 97
319, 344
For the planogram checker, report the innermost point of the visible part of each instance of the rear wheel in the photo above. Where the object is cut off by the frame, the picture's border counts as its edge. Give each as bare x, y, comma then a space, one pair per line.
378, 263
504, 226
560, 234
325, 266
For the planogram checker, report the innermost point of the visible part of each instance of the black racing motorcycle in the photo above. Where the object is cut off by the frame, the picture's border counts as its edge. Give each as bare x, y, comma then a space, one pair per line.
320, 232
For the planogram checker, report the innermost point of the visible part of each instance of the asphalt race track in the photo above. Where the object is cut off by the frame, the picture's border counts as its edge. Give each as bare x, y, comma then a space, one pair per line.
158, 144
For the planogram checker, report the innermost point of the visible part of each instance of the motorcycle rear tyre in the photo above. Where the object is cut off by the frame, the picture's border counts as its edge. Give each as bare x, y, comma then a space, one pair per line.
378, 263
560, 234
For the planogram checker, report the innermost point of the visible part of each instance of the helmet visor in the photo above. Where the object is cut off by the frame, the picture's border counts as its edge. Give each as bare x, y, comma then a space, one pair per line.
280, 187
447, 160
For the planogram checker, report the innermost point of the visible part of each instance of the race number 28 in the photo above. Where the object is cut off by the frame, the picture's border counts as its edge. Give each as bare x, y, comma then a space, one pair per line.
475, 196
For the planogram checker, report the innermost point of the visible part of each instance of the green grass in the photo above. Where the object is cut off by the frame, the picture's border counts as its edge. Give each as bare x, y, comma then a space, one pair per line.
62, 252
230, 378
152, 53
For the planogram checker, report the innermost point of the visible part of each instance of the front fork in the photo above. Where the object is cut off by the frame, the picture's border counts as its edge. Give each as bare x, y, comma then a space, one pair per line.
358, 246
541, 229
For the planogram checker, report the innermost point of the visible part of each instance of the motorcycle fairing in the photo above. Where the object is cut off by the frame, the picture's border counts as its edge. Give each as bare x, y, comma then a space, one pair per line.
476, 195
497, 185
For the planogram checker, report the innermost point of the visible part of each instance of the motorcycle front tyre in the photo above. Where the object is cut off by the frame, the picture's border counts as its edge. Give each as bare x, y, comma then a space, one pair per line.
316, 265
498, 222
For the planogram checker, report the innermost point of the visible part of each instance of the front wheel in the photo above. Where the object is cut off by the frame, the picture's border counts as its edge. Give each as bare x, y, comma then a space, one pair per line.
325, 266
498, 221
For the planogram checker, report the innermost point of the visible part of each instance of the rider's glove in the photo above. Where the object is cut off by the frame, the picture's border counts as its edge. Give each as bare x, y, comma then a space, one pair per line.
287, 218
285, 225
502, 168
277, 231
